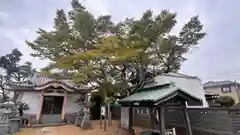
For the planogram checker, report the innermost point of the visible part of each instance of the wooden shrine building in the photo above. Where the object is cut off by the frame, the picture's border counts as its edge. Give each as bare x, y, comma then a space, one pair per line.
157, 98
50, 101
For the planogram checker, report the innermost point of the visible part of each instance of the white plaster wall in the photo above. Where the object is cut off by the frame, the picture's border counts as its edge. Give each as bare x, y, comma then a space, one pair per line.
32, 99
192, 86
124, 117
71, 105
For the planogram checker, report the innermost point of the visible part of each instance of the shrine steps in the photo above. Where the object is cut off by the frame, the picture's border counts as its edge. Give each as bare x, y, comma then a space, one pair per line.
47, 125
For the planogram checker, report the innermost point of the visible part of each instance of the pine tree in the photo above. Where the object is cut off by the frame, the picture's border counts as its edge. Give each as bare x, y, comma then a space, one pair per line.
115, 57
14, 71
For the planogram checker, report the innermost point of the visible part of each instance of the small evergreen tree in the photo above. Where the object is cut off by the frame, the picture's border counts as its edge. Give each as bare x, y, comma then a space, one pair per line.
14, 71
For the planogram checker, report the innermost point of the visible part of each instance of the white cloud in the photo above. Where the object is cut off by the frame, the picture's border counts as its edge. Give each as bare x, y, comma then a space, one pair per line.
97, 7
219, 19
118, 9
3, 15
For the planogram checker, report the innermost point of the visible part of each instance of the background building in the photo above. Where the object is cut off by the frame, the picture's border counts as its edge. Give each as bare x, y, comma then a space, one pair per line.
224, 88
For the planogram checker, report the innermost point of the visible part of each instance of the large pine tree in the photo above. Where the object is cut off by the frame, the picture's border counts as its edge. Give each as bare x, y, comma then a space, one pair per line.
114, 57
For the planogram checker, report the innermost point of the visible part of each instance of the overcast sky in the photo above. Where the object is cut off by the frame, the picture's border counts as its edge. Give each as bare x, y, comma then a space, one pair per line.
216, 57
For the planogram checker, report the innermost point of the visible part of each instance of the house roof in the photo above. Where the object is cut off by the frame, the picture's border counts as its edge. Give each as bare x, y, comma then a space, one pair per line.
158, 94
36, 81
210, 93
174, 74
171, 74
217, 84
156, 72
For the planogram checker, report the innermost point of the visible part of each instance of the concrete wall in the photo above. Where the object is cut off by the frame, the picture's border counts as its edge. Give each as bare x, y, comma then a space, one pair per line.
218, 90
192, 86
71, 105
32, 99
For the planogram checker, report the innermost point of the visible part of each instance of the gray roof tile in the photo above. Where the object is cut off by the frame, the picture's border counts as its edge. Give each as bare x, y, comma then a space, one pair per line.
36, 79
219, 83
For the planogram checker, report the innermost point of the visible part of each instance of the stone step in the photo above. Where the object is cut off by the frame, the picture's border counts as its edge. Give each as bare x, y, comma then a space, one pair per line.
45, 119
47, 125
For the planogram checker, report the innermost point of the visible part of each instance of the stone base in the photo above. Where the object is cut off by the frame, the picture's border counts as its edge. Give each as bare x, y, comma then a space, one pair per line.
4, 129
125, 131
78, 121
87, 125
15, 124
31, 118
86, 122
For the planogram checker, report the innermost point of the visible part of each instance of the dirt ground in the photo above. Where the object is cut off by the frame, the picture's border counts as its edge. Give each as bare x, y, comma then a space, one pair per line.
73, 130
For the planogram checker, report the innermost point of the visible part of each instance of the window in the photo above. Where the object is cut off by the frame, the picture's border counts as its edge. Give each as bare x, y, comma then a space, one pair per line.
226, 88
142, 111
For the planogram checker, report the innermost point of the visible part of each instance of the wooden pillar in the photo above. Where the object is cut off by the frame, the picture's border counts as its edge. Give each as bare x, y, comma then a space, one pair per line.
187, 121
40, 107
130, 118
63, 106
161, 120
152, 120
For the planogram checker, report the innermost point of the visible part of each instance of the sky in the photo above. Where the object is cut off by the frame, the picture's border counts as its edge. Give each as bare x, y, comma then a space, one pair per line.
215, 58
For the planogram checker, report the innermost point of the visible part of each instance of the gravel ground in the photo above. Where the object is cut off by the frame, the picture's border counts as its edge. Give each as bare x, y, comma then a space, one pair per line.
72, 130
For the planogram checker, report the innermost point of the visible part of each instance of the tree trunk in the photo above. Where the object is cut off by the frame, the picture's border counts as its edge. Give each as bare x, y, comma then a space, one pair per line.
109, 115
105, 119
101, 117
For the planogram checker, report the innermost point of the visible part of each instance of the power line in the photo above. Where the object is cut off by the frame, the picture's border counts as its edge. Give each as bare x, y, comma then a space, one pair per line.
228, 73
223, 75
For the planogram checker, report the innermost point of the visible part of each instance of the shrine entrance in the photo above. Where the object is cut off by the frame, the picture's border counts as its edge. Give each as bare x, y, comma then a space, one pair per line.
52, 105
52, 109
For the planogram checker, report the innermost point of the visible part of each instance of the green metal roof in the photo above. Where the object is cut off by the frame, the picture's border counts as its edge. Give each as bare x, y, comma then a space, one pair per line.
154, 94
115, 105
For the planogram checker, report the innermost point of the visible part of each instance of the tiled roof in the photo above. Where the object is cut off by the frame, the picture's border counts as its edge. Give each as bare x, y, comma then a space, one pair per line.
36, 80
219, 83
39, 80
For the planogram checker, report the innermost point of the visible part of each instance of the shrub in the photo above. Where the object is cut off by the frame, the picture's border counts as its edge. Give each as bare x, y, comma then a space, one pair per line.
22, 107
226, 101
